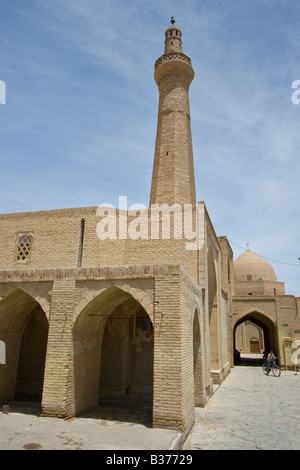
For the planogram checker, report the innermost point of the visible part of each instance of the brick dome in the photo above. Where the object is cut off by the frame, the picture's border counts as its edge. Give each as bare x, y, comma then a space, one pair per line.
252, 267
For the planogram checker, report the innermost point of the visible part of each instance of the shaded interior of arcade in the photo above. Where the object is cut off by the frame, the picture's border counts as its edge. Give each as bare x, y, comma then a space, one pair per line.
24, 329
113, 341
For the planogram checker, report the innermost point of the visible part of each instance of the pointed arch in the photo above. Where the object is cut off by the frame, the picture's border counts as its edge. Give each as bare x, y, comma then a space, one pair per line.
24, 329
15, 307
108, 288
41, 296
113, 349
267, 325
213, 311
198, 359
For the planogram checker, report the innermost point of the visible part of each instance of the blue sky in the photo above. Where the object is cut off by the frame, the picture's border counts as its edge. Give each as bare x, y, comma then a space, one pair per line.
79, 124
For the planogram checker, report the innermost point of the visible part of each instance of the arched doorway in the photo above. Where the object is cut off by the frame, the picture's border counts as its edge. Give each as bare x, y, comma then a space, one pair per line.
199, 389
213, 312
265, 327
113, 353
249, 338
24, 330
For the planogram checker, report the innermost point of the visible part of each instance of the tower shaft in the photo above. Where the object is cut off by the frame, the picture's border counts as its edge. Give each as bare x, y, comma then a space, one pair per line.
173, 179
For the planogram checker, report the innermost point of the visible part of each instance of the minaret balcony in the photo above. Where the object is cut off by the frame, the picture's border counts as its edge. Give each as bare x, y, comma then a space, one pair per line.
173, 56
173, 66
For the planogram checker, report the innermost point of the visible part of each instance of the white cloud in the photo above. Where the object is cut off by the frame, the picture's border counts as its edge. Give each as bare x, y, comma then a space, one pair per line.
81, 98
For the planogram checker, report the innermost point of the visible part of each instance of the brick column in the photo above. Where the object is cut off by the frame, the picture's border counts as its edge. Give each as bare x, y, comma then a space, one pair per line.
58, 391
172, 408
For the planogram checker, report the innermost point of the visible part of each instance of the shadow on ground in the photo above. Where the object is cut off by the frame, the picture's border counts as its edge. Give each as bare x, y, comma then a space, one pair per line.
107, 413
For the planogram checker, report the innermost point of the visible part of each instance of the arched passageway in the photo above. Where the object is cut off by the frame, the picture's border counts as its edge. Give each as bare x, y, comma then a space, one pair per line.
113, 353
24, 331
265, 327
213, 312
249, 338
199, 390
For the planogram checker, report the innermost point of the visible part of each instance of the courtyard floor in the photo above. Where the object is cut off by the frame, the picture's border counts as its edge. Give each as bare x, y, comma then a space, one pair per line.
249, 411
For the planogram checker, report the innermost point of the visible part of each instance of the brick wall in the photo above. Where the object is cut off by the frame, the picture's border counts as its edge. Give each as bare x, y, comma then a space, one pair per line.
56, 239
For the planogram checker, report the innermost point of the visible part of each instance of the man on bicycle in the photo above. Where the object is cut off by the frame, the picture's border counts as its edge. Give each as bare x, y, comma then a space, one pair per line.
271, 361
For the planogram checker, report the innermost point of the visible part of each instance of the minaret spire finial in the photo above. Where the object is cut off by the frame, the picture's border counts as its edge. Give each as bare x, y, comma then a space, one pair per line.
172, 20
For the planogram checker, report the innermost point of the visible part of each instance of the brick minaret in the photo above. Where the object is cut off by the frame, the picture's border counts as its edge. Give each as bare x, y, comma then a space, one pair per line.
173, 179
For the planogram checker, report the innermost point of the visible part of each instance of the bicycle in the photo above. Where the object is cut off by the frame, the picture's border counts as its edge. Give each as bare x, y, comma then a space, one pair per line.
274, 367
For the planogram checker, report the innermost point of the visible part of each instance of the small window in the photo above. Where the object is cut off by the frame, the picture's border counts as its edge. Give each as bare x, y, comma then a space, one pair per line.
24, 247
81, 239
2, 352
249, 277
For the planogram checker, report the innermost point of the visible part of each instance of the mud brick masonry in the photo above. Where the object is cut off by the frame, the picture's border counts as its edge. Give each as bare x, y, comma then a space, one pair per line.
141, 321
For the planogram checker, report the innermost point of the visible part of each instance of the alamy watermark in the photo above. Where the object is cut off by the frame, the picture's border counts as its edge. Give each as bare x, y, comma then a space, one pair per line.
296, 95
2, 92
159, 222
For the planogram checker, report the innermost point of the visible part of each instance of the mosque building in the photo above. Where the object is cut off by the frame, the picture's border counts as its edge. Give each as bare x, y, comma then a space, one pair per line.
103, 306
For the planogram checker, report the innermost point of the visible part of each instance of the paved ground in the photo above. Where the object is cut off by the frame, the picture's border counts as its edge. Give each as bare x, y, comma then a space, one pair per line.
248, 411
24, 429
